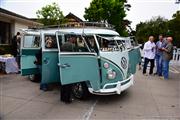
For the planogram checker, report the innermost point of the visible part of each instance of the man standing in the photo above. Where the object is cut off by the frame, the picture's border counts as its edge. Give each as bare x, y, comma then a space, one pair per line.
16, 47
167, 56
149, 55
158, 56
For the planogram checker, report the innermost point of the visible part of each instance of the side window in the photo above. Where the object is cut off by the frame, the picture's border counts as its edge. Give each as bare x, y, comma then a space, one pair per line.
36, 42
31, 41
127, 43
73, 43
121, 45
91, 43
50, 42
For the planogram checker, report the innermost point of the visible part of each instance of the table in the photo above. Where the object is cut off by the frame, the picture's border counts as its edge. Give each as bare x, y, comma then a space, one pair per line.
10, 64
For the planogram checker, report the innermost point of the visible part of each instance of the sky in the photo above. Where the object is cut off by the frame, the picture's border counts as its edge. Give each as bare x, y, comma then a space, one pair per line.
141, 10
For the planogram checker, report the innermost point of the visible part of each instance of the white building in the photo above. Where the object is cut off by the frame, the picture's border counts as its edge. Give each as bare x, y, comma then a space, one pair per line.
11, 23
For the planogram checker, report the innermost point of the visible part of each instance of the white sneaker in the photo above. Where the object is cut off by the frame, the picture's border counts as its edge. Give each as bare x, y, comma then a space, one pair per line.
145, 74
161, 77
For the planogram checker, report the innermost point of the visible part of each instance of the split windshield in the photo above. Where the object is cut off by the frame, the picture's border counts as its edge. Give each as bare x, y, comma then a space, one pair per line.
109, 44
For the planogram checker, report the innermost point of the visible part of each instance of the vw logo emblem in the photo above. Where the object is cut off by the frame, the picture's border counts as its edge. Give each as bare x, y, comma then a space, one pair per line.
124, 62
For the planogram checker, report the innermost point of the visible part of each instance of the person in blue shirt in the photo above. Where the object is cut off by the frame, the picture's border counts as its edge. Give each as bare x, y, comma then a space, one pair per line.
158, 57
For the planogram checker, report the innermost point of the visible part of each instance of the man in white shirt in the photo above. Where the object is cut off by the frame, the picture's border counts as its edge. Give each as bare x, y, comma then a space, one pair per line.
149, 54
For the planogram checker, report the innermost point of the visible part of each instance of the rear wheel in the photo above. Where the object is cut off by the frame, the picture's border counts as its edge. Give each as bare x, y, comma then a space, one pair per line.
80, 90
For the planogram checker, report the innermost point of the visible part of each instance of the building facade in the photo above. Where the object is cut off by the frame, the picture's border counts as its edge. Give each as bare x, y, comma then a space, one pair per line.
73, 20
11, 23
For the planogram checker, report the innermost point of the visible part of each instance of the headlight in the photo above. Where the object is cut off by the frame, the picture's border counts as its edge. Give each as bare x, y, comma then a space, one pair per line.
111, 74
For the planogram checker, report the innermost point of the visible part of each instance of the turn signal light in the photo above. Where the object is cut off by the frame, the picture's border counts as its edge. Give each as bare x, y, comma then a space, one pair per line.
106, 65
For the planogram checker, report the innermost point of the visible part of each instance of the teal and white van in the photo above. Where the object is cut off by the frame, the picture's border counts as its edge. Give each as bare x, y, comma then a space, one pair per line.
100, 63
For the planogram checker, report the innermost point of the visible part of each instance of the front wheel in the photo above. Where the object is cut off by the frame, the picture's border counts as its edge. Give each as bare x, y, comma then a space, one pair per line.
80, 90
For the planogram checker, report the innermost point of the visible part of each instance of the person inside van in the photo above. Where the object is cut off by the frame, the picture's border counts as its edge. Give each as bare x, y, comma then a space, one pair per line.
69, 45
81, 47
80, 42
49, 42
105, 44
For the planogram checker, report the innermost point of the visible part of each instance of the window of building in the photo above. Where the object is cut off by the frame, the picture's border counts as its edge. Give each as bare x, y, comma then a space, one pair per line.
5, 32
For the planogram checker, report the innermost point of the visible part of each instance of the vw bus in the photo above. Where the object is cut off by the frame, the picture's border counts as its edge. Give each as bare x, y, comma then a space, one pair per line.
99, 63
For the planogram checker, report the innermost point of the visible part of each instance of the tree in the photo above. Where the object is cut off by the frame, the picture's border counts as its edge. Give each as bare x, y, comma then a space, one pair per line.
159, 25
50, 15
108, 11
174, 28
155, 26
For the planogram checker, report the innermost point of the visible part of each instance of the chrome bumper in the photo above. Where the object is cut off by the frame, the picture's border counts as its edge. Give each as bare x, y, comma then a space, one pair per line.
119, 87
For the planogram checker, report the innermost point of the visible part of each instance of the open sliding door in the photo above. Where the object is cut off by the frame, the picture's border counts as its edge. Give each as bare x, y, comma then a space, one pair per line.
30, 46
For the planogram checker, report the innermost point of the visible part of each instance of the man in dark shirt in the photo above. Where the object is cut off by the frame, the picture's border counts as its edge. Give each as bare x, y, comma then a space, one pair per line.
69, 46
167, 56
16, 47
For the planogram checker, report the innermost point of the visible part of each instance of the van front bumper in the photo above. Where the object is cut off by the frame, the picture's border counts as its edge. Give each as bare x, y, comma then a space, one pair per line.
117, 89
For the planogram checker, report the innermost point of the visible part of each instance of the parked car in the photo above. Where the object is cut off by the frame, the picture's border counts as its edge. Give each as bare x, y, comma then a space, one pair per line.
99, 62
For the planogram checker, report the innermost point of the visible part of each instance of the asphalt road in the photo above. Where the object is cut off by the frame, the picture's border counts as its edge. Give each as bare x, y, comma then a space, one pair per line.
150, 98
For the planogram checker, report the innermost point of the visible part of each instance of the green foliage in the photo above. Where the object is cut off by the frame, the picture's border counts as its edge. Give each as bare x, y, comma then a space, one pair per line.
174, 28
108, 11
155, 26
159, 25
50, 15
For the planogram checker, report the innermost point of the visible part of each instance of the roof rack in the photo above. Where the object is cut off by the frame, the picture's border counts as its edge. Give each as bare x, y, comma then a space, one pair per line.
77, 25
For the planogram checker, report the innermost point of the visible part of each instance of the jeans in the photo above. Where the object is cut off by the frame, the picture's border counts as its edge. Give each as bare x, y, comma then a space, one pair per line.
159, 64
146, 61
43, 86
166, 69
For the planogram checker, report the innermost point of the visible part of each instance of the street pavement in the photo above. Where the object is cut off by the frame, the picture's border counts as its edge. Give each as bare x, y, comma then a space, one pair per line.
149, 98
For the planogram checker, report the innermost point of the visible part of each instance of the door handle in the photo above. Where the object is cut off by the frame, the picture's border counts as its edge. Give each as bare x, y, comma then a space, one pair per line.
23, 55
64, 65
